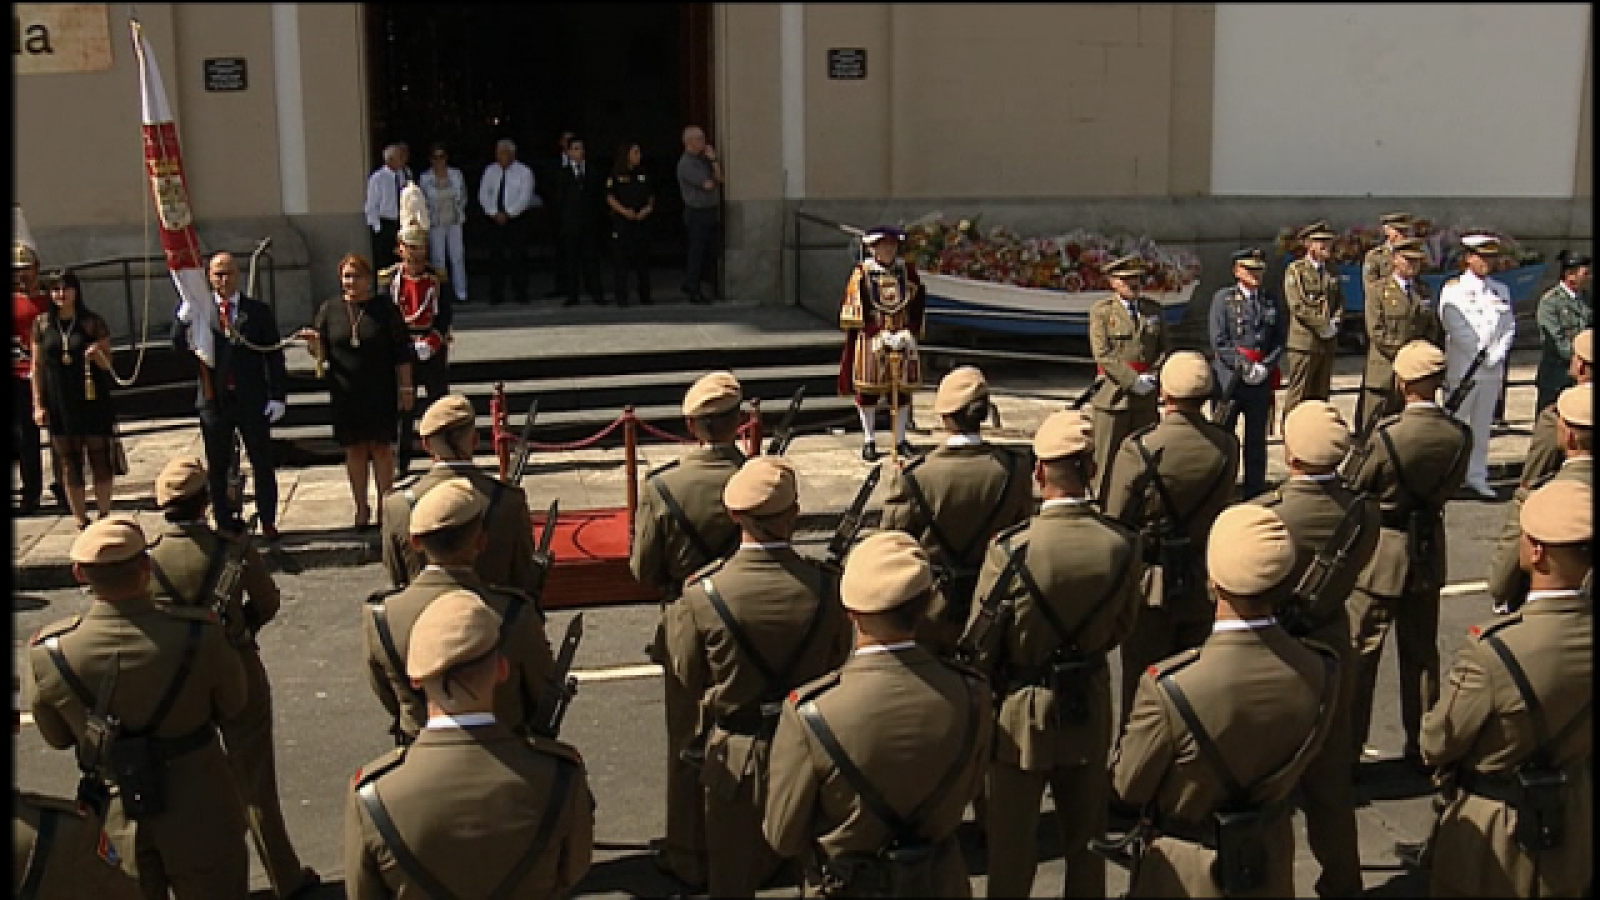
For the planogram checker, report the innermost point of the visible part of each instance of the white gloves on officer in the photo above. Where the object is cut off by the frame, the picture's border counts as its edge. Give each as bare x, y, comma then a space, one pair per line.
1256, 374
1144, 384
1329, 330
275, 410
185, 315
424, 350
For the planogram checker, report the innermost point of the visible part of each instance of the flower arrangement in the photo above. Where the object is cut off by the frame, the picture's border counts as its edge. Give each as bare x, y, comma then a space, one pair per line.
1069, 262
1444, 245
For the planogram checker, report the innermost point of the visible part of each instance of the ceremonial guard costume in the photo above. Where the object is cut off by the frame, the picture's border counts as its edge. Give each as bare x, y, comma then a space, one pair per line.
27, 303
874, 764
1315, 302
1056, 595
472, 808
746, 632
1399, 311
1564, 311
417, 289
882, 318
954, 500
1255, 705
1544, 453
174, 818
1247, 333
1378, 264
1128, 338
1477, 315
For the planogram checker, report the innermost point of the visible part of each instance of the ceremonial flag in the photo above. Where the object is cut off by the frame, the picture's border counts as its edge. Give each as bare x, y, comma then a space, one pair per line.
163, 161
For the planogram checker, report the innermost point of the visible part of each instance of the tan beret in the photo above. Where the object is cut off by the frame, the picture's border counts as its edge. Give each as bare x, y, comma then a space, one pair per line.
764, 486
1316, 434
1395, 220
181, 477
712, 394
1130, 266
1575, 406
1561, 512
1250, 551
1063, 434
455, 502
1186, 375
457, 627
1316, 231
1418, 360
1583, 346
113, 539
962, 386
883, 572
447, 412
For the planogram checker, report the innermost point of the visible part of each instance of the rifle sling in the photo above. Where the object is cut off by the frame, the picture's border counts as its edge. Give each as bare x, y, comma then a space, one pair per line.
742, 643
1328, 553
696, 542
1170, 508
380, 622
1400, 470
39, 856
191, 647
981, 535
214, 562
1544, 747
390, 835
1017, 562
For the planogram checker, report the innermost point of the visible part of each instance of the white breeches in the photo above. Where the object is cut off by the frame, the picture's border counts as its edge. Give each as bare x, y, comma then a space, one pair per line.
444, 244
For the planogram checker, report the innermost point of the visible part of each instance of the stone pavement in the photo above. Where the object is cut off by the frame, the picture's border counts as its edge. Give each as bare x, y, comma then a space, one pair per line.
316, 509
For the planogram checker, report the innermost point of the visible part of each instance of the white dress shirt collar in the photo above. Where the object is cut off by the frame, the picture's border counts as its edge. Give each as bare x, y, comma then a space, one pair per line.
458, 465
1222, 625
464, 720
1421, 404
763, 545
1063, 501
1327, 476
1552, 595
896, 647
963, 440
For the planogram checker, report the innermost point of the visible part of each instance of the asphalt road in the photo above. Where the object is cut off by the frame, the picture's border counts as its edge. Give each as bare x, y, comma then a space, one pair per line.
329, 724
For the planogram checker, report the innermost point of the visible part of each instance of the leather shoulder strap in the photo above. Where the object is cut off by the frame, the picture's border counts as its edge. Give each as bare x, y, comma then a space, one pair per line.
1017, 561
52, 646
921, 500
541, 840
1544, 745
39, 856
191, 648
697, 542
736, 632
380, 622
390, 835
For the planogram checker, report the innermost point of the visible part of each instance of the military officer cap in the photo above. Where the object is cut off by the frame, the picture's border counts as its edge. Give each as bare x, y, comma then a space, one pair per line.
1561, 512
1250, 551
1130, 266
447, 412
1575, 406
1186, 375
1418, 360
1316, 434
1395, 220
1411, 248
1316, 231
1481, 244
712, 394
1568, 262
457, 627
181, 478
885, 571
1062, 434
113, 539
1250, 258
764, 486
454, 502
1583, 346
883, 231
959, 389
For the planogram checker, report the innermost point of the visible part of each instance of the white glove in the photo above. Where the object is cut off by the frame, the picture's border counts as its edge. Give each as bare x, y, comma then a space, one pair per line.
1144, 384
185, 315
275, 410
1329, 330
424, 350
1256, 374
1493, 361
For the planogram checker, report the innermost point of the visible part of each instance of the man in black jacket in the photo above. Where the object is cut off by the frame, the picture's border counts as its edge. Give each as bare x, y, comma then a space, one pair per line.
579, 218
245, 392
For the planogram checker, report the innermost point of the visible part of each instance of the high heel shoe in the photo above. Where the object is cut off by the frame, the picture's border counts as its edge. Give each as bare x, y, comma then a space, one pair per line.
363, 519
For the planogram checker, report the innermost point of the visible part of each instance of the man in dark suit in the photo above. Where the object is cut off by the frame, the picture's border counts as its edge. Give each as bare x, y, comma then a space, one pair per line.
244, 392
579, 219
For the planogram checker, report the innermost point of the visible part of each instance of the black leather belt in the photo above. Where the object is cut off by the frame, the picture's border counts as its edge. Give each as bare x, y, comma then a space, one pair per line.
751, 721
1193, 832
1500, 788
1018, 677
172, 748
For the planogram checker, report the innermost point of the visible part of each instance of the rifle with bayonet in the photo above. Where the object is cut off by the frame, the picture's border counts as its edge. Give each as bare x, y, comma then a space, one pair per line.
523, 446
850, 523
236, 477
1363, 440
232, 571
1325, 566
1088, 392
784, 436
563, 685
543, 561
1222, 410
100, 732
1458, 395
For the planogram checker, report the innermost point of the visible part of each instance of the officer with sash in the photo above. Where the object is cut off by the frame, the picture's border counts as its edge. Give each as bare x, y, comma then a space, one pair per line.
417, 289
1399, 310
1129, 340
1247, 332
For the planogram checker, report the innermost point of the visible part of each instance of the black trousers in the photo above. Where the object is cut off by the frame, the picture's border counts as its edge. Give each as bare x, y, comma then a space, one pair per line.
630, 250
25, 441
383, 244
701, 265
433, 377
218, 422
508, 258
1254, 402
580, 262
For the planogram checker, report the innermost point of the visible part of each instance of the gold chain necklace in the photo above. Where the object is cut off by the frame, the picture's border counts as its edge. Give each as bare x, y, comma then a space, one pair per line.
66, 353
355, 322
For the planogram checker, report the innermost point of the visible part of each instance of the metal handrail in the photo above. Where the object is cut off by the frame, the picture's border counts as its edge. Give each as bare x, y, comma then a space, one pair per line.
126, 262
820, 220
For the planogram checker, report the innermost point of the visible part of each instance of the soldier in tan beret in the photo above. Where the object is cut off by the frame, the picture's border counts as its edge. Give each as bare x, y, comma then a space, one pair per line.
188, 834
1316, 303
680, 527
450, 433
1129, 340
887, 749
1413, 463
190, 563
1544, 452
1378, 264
748, 630
1172, 480
1056, 595
473, 808
1335, 532
955, 498
1399, 310
1508, 583
1517, 708
1255, 702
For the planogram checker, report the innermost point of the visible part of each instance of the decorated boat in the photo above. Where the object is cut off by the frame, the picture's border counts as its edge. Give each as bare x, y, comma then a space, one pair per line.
1008, 309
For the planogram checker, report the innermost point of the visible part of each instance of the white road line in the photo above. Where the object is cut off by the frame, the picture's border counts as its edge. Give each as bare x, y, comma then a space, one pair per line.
1465, 587
617, 673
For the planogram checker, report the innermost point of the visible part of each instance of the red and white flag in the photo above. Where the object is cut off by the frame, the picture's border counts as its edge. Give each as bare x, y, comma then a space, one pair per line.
163, 162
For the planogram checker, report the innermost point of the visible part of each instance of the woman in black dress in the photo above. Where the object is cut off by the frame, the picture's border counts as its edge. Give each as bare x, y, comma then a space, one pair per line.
631, 200
71, 352
368, 353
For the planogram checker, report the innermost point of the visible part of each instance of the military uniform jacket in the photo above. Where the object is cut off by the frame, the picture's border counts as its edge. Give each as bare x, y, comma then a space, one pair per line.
506, 562
524, 645
902, 716
1377, 265
1508, 584
787, 609
1433, 451
1544, 457
1561, 315
1314, 300
1481, 726
1263, 698
74, 860
1118, 339
189, 555
663, 555
973, 491
1255, 324
1088, 569
1312, 511
1396, 316
468, 803
1199, 463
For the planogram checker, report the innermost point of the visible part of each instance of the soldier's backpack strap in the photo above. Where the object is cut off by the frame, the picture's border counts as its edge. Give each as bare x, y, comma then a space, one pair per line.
1168, 505
1017, 563
773, 679
413, 868
380, 623
39, 855
1400, 471
696, 542
214, 561
191, 649
1543, 744
541, 839
981, 535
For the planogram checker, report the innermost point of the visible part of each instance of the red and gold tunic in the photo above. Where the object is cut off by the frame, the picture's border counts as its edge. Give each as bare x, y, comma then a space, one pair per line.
418, 300
880, 301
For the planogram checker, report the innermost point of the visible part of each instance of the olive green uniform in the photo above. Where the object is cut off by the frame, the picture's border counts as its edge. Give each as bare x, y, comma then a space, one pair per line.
1395, 316
1314, 300
195, 846
62, 853
1544, 456
1198, 463
1481, 731
1377, 265
791, 629
1400, 584
468, 805
1562, 315
507, 559
1086, 567
1508, 584
1124, 345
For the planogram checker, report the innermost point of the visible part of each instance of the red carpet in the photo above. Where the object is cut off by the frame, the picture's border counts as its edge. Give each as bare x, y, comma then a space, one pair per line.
591, 560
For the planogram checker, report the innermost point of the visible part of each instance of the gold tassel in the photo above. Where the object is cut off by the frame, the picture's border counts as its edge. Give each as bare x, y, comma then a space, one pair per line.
88, 378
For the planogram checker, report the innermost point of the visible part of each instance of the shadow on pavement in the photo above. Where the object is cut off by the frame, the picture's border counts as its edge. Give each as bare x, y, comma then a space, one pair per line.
1407, 883
1390, 779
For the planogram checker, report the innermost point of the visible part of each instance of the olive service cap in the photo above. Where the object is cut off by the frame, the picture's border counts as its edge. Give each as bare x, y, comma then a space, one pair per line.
1250, 551
110, 540
1418, 360
1411, 248
1130, 266
1316, 231
1481, 244
714, 393
884, 572
1250, 258
180, 478
764, 486
1583, 346
1561, 512
454, 502
1316, 434
1395, 220
1186, 375
1575, 406
1063, 434
1575, 261
457, 627
962, 386
447, 412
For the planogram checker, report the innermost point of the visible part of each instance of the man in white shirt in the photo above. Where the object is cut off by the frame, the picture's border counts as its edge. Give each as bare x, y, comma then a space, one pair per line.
446, 190
383, 204
1477, 315
506, 194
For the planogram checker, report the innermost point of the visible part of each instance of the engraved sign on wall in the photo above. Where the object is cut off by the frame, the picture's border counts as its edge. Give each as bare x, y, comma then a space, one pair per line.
227, 74
847, 63
60, 37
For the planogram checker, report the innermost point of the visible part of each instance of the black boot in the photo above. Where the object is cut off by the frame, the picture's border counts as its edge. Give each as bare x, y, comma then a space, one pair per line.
869, 452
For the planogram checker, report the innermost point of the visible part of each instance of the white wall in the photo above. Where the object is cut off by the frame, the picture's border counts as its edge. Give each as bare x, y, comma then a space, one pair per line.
1400, 99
